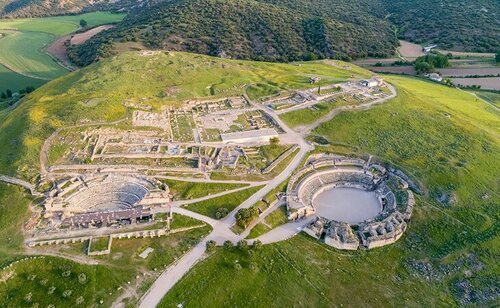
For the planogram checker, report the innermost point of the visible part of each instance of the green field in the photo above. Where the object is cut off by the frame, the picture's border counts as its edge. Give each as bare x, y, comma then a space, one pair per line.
11, 80
60, 25
23, 43
229, 201
182, 190
23, 52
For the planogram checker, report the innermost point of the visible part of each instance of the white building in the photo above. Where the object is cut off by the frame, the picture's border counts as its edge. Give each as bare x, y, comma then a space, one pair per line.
435, 77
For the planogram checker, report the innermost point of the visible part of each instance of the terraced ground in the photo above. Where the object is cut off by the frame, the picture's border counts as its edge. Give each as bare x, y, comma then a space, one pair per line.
23, 43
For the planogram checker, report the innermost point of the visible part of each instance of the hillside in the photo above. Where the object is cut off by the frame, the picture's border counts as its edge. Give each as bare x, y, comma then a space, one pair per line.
43, 8
275, 30
458, 25
446, 139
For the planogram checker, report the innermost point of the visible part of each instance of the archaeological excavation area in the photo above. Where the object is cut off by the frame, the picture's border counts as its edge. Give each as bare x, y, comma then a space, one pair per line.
356, 203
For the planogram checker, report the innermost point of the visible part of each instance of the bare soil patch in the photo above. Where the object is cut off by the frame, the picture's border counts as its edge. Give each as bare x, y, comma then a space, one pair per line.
463, 72
490, 83
58, 50
81, 38
410, 50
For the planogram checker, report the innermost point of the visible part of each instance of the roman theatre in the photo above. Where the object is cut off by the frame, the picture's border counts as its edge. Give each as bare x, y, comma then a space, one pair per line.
356, 203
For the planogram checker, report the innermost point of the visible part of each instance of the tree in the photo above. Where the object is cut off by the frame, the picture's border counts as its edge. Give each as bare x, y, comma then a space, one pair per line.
3, 95
497, 57
210, 245
30, 89
274, 141
9, 93
83, 23
245, 216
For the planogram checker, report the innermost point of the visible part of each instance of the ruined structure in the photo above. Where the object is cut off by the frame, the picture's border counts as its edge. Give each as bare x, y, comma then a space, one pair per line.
325, 172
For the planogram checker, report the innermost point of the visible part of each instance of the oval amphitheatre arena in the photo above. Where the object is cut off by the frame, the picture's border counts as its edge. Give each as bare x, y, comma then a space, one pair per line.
357, 204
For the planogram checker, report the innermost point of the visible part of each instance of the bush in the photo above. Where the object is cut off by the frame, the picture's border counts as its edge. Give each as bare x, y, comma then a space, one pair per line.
243, 245
210, 245
228, 245
257, 245
221, 212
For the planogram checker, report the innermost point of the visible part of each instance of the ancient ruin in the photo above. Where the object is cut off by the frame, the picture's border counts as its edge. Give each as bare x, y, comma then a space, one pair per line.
328, 173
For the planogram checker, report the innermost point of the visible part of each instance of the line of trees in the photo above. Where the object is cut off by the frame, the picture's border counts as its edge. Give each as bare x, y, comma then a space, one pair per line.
8, 93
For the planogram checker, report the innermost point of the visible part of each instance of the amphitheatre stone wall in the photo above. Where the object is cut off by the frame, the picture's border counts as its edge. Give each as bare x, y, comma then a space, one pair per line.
325, 172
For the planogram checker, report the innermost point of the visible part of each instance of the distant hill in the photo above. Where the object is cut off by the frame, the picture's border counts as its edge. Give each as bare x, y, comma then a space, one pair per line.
42, 8
453, 24
281, 30
276, 30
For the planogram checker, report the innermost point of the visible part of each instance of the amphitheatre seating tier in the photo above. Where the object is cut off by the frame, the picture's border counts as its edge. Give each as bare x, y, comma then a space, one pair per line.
327, 172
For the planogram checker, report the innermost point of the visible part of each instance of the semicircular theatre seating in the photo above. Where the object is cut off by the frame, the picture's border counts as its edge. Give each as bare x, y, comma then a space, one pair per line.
105, 196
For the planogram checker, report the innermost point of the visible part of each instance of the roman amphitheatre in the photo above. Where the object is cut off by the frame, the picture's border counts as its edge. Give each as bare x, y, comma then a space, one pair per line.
194, 165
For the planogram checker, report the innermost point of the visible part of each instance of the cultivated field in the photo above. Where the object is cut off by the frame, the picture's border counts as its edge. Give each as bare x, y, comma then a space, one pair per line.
24, 42
487, 83
11, 80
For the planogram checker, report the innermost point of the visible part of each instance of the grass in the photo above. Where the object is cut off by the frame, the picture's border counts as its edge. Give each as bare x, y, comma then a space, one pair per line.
490, 97
303, 273
274, 219
14, 203
134, 78
60, 25
22, 52
55, 281
183, 190
229, 201
15, 81
443, 138
99, 244
308, 115
23, 43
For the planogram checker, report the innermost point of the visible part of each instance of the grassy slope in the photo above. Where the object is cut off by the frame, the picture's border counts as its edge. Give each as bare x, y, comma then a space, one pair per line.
132, 77
13, 213
447, 246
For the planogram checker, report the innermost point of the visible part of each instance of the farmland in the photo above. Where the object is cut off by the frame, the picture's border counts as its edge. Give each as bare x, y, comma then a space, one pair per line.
23, 45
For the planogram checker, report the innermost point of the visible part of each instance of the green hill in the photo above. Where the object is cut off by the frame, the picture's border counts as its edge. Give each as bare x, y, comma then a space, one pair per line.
445, 138
275, 30
458, 25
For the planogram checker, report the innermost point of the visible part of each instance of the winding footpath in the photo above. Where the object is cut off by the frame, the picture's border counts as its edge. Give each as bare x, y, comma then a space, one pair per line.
221, 228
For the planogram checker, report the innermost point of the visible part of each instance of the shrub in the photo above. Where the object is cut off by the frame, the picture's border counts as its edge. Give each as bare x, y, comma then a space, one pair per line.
228, 245
210, 245
243, 245
257, 245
